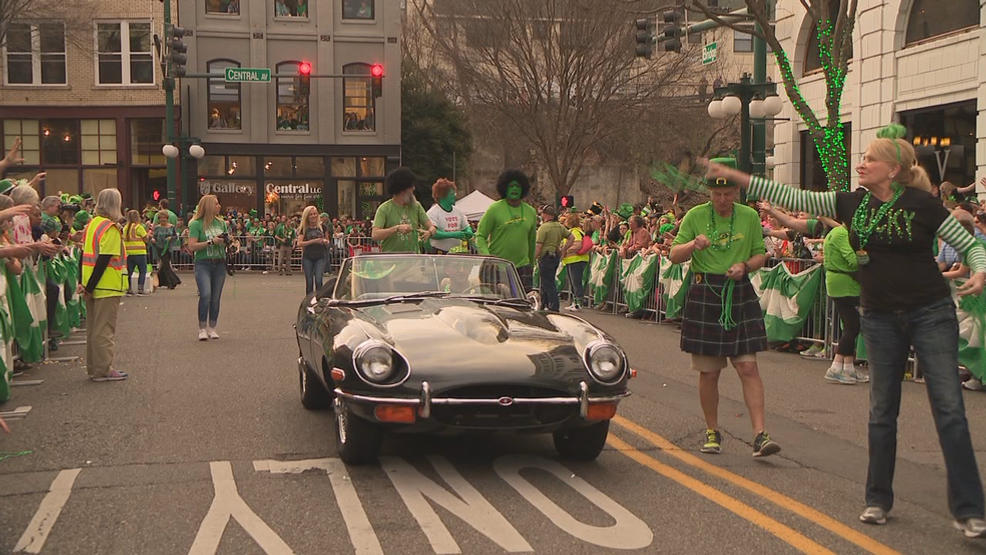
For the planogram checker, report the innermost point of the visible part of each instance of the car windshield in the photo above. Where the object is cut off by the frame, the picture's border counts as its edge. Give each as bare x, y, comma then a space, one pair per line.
381, 276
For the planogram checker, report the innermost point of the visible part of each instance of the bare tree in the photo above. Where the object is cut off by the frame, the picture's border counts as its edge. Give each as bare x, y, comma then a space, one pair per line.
834, 21
562, 73
76, 15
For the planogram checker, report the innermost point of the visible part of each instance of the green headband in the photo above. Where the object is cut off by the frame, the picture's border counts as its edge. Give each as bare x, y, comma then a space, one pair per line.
893, 132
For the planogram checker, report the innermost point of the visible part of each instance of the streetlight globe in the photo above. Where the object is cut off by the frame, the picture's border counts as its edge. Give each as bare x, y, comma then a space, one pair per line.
715, 109
773, 105
196, 151
732, 105
757, 108
770, 162
171, 151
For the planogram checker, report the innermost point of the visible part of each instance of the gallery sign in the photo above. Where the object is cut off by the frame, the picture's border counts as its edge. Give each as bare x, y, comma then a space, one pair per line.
234, 188
293, 190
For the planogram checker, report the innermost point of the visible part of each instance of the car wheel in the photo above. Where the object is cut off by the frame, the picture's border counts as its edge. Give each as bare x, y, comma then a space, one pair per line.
582, 444
357, 440
313, 395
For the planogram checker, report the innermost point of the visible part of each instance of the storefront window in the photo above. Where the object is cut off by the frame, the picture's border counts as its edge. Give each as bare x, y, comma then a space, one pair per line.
291, 8
371, 167
343, 167
944, 139
27, 130
294, 195
347, 198
233, 194
146, 141
95, 180
357, 9
241, 166
278, 166
222, 7
224, 98
60, 141
359, 106
98, 142
309, 165
212, 165
292, 101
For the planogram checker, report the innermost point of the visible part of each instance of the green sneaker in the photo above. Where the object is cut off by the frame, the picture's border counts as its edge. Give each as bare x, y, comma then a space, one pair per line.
763, 446
713, 441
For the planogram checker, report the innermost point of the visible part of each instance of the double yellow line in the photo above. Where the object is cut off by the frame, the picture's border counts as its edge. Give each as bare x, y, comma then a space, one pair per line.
787, 534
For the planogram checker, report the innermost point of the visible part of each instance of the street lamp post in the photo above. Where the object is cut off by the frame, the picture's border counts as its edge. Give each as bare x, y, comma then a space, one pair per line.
756, 103
187, 148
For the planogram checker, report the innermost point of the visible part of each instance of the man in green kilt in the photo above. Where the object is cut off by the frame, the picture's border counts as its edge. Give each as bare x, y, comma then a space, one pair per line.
722, 318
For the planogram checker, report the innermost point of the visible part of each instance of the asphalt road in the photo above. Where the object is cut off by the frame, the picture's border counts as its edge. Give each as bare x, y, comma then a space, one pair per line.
206, 449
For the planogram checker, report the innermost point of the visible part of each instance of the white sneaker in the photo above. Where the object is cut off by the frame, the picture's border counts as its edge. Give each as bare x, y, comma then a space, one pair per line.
813, 351
572, 308
203, 335
972, 384
213, 334
839, 375
972, 527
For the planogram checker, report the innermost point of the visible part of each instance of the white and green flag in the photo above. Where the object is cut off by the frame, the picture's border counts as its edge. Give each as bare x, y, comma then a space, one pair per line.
601, 276
674, 286
638, 281
972, 334
6, 343
34, 296
786, 299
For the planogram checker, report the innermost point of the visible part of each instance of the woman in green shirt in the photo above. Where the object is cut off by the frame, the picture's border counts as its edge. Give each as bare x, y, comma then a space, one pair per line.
843, 289
207, 240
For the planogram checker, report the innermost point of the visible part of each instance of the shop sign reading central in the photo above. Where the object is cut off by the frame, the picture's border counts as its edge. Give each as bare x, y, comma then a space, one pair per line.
218, 187
293, 190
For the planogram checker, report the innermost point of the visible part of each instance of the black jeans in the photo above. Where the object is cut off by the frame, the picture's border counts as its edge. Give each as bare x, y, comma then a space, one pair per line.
848, 308
548, 270
575, 272
526, 277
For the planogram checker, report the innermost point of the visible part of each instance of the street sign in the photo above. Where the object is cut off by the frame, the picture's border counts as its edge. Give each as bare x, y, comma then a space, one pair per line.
710, 53
247, 75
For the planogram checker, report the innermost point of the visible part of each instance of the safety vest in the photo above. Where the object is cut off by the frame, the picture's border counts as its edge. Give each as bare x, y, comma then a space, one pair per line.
112, 283
136, 246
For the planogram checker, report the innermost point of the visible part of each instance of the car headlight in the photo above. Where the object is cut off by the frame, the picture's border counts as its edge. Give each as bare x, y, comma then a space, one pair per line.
375, 361
605, 361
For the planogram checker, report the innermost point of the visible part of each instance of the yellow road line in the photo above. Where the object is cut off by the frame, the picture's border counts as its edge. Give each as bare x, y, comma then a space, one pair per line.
786, 534
823, 520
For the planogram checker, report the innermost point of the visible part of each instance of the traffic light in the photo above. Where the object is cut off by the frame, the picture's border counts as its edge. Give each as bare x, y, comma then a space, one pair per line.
673, 31
156, 195
177, 57
645, 38
376, 73
568, 202
304, 78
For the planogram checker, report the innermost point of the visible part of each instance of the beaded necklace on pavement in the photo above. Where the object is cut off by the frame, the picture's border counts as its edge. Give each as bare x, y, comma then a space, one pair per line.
864, 222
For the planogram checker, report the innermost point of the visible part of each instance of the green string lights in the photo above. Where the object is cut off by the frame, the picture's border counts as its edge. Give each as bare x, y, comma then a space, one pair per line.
829, 139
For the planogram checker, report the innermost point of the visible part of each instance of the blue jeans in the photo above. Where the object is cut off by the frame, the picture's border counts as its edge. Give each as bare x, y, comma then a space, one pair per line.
136, 262
210, 275
933, 330
576, 271
547, 270
314, 268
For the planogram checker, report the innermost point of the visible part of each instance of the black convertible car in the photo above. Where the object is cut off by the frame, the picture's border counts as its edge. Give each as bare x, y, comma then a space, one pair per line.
409, 343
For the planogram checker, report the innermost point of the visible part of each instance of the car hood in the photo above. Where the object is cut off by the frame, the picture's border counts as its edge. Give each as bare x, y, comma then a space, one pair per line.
458, 342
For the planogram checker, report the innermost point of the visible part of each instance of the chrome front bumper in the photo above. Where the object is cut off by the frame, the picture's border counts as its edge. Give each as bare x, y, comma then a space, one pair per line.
426, 401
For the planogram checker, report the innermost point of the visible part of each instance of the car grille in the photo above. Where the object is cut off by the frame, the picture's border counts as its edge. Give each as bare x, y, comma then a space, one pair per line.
492, 416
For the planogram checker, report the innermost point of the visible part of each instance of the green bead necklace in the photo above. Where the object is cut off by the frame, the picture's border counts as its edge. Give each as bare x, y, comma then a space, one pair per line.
720, 242
864, 225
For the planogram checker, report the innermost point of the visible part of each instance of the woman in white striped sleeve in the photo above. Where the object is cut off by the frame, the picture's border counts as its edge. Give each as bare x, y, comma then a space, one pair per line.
905, 302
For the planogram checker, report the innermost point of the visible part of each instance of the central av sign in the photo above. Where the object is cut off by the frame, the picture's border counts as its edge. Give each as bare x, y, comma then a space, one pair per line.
293, 190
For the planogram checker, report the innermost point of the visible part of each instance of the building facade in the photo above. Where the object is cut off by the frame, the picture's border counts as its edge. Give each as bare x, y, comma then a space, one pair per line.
329, 143
918, 62
90, 117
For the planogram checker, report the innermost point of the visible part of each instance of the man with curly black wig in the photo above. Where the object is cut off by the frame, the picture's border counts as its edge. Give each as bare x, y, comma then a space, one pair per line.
401, 224
509, 226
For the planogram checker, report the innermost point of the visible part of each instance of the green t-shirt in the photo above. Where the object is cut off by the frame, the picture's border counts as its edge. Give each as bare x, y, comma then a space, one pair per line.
212, 252
390, 214
550, 235
747, 238
285, 234
840, 261
508, 232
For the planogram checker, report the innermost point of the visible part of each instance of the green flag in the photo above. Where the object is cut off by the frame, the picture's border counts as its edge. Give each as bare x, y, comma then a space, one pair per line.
971, 313
638, 281
6, 343
786, 299
675, 279
601, 276
34, 297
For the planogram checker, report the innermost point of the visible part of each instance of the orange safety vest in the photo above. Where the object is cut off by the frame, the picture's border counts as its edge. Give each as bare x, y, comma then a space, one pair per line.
112, 283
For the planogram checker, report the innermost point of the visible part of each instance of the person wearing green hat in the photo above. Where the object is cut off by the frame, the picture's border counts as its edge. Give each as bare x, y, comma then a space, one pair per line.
722, 316
6, 186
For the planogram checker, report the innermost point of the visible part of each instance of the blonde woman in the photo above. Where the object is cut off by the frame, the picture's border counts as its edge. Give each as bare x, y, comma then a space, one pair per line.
102, 284
135, 242
314, 240
893, 222
207, 241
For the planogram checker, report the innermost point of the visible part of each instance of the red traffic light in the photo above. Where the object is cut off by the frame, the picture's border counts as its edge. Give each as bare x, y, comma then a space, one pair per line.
156, 195
376, 70
304, 68
567, 201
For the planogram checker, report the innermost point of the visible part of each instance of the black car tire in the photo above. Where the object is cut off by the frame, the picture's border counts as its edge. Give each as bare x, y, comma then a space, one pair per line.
357, 440
313, 395
582, 444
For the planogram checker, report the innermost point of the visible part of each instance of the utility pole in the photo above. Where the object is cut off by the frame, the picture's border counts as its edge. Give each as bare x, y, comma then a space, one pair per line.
169, 106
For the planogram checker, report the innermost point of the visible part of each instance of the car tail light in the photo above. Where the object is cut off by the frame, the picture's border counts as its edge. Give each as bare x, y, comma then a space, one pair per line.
601, 411
399, 413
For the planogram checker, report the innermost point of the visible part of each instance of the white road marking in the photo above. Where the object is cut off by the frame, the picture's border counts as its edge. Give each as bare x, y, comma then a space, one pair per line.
40, 526
360, 530
629, 532
470, 505
228, 503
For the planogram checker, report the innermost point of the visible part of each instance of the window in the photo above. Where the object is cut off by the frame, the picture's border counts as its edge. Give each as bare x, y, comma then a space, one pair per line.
290, 8
932, 19
292, 102
124, 53
222, 6
813, 61
27, 130
224, 98
60, 141
35, 54
146, 140
359, 106
357, 9
742, 42
98, 142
